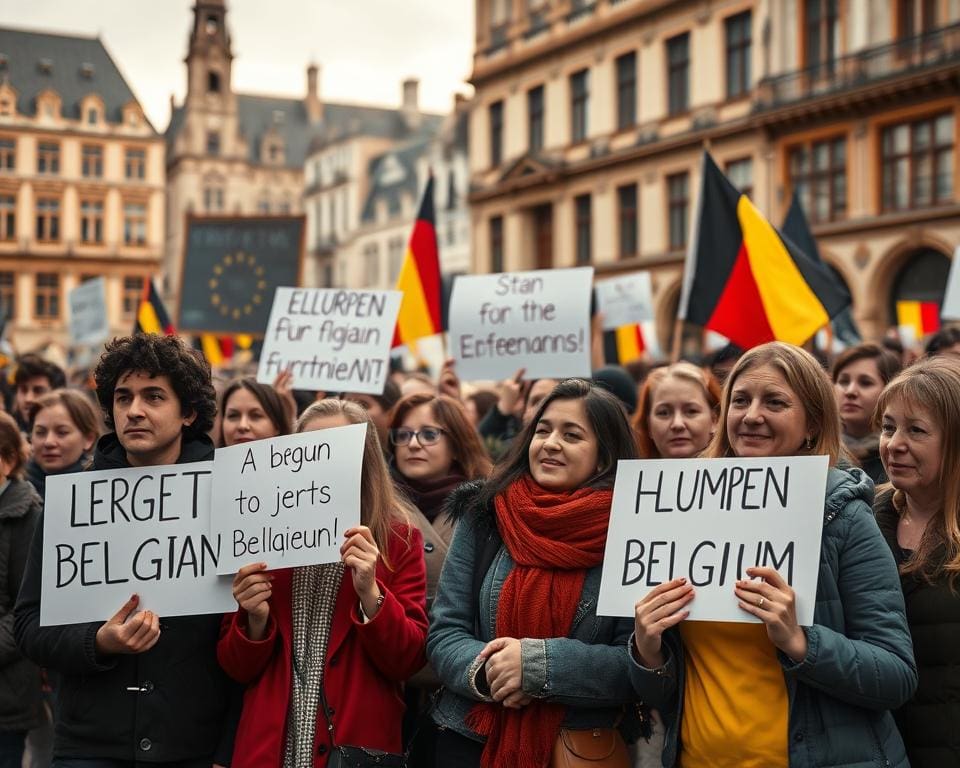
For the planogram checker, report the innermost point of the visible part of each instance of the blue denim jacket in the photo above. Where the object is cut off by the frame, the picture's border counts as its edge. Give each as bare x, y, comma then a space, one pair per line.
588, 671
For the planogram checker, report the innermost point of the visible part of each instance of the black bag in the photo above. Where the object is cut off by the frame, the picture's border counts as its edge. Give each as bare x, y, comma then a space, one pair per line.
361, 757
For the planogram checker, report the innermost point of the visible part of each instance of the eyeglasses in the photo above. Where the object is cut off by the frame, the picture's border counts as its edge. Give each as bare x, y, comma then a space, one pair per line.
425, 436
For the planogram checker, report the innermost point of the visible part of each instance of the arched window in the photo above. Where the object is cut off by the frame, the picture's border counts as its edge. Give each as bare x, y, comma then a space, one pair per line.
923, 277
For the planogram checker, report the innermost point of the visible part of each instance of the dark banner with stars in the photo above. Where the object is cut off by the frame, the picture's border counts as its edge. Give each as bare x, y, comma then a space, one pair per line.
231, 267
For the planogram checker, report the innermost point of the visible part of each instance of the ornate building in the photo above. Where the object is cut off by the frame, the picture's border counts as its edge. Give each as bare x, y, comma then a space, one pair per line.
590, 117
81, 184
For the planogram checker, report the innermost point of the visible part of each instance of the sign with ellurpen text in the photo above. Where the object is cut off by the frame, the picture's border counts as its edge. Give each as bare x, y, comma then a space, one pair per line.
537, 320
709, 520
330, 339
111, 533
287, 501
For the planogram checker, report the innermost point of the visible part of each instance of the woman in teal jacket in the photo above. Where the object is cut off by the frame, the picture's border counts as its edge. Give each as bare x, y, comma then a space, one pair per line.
827, 689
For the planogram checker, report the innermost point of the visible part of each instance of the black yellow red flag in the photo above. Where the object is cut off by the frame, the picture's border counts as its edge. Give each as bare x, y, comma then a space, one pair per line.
152, 316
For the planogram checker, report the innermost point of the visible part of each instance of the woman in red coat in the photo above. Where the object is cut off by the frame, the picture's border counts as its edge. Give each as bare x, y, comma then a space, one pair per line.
356, 627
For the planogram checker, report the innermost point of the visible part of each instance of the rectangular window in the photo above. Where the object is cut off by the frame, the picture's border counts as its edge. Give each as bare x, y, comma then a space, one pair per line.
678, 74
46, 297
535, 119
132, 293
8, 295
48, 220
678, 206
91, 161
583, 229
91, 221
918, 162
8, 217
821, 36
48, 157
135, 163
627, 214
626, 91
818, 174
135, 224
496, 244
915, 17
496, 133
738, 54
371, 264
8, 154
740, 173
579, 105
213, 199
396, 250
213, 143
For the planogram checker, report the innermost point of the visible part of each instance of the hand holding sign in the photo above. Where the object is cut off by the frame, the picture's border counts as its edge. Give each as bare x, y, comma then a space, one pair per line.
774, 603
360, 554
125, 634
252, 589
663, 607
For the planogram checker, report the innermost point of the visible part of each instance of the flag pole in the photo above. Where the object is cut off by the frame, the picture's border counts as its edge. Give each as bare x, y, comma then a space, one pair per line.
677, 345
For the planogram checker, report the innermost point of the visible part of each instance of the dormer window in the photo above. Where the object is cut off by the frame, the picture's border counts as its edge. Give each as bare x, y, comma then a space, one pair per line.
93, 116
211, 25
213, 82
86, 70
45, 66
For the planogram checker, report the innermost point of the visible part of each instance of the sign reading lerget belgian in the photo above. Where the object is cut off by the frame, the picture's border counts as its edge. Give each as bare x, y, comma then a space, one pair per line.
709, 520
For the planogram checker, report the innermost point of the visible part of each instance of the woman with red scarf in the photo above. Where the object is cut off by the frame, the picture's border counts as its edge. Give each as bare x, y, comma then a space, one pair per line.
515, 637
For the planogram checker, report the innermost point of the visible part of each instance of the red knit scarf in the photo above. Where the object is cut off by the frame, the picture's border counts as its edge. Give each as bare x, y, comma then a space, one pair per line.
553, 539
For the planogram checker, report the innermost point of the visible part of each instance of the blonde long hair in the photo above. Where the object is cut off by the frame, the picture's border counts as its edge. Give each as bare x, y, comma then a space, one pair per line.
813, 389
382, 510
933, 385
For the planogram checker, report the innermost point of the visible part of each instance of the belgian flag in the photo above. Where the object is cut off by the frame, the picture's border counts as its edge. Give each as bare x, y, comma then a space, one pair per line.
744, 280
627, 343
152, 316
419, 280
922, 316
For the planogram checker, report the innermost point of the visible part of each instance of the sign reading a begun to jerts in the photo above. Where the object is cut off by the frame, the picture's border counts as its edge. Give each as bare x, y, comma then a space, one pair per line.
231, 268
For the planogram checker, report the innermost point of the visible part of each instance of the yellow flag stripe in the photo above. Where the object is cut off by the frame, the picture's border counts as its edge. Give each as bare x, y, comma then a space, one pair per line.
147, 318
793, 310
908, 313
628, 349
413, 321
211, 349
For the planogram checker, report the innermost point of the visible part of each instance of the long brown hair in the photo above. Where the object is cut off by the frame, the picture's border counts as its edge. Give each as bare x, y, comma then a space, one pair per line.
465, 445
382, 510
933, 385
684, 371
805, 376
267, 397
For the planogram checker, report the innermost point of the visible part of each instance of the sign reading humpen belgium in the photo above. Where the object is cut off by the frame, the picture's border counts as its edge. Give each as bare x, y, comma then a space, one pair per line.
287, 501
536, 320
330, 339
709, 520
111, 533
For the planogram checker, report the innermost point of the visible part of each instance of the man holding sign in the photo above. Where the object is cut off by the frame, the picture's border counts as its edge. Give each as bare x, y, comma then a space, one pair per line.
765, 687
135, 687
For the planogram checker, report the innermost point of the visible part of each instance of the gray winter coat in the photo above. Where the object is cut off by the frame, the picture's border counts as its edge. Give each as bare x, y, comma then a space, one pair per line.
859, 662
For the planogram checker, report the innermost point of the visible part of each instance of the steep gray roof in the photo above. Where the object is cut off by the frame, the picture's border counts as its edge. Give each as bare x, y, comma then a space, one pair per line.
72, 66
257, 114
393, 175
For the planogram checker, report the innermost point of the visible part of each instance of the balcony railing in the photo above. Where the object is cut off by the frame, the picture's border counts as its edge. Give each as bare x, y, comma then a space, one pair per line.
580, 9
871, 65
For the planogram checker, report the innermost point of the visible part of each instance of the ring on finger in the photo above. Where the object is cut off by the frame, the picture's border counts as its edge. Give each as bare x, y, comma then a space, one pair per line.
761, 602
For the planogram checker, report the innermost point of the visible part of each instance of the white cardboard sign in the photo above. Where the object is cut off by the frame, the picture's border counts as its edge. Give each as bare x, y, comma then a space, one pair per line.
111, 533
625, 300
330, 339
287, 501
535, 320
88, 313
951, 301
709, 520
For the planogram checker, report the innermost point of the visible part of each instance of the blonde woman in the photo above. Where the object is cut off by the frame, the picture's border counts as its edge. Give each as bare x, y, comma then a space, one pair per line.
919, 514
348, 634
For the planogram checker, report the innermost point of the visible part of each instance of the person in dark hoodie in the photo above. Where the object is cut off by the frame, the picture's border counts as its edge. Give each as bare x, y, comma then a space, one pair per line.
136, 689
20, 507
63, 429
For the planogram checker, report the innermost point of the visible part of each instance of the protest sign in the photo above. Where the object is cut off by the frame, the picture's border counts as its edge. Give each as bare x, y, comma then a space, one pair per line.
146, 530
88, 313
287, 501
625, 300
709, 520
951, 301
536, 320
330, 339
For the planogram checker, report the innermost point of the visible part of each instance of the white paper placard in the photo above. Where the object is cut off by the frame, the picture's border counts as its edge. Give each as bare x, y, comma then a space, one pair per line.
287, 501
951, 301
88, 313
535, 320
625, 300
330, 339
709, 520
111, 533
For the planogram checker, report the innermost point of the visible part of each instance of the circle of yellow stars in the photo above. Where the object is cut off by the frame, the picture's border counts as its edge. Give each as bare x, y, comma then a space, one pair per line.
233, 262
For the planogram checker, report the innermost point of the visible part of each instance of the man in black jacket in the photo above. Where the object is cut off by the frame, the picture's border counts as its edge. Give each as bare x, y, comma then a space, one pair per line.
136, 689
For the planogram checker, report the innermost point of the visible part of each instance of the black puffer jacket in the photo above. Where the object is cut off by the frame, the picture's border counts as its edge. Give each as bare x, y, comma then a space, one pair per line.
930, 721
20, 509
167, 704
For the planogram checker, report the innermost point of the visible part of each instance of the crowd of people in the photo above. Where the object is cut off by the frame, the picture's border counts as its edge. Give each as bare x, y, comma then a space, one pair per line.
460, 625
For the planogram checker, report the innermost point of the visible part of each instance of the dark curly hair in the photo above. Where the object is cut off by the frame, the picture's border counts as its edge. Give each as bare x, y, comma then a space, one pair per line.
152, 354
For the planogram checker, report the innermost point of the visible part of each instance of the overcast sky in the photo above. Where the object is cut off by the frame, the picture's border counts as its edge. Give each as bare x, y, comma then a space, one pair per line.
364, 47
